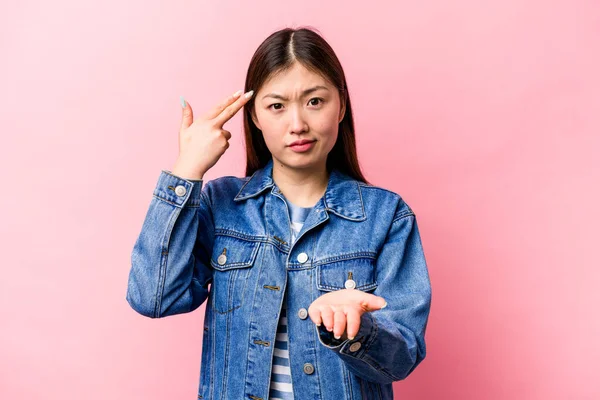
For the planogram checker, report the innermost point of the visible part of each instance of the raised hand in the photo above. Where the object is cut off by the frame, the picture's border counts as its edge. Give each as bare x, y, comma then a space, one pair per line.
203, 141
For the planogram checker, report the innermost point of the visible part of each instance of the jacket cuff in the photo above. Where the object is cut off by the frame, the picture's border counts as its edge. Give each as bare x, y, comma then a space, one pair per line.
355, 347
178, 191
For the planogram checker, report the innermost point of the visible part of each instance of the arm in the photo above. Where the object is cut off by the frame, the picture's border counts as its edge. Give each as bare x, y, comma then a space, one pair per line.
392, 339
170, 262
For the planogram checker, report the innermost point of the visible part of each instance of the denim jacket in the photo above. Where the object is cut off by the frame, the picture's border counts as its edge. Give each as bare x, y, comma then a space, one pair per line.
234, 234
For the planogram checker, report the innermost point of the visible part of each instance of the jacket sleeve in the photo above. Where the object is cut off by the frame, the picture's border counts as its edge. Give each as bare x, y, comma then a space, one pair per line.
391, 341
170, 262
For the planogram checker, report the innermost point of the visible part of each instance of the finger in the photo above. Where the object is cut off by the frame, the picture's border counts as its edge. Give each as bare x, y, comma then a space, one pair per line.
226, 134
187, 116
227, 101
353, 322
327, 317
315, 314
372, 302
232, 109
339, 323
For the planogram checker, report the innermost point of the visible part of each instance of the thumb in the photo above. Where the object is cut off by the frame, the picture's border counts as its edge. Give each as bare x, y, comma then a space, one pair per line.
187, 114
373, 302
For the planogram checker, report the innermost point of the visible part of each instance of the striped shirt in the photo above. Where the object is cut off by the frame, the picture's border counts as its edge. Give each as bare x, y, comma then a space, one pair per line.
281, 378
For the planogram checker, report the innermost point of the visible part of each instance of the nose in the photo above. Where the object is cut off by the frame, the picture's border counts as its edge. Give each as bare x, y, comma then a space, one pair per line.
297, 122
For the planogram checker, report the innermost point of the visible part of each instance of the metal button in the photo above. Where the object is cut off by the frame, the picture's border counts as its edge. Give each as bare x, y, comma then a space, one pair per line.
180, 191
302, 258
308, 368
350, 284
222, 259
302, 313
355, 346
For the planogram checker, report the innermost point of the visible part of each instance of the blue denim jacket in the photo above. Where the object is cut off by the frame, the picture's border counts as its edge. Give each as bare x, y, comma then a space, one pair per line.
234, 234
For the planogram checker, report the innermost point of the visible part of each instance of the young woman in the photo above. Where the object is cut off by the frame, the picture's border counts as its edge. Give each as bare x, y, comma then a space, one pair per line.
319, 287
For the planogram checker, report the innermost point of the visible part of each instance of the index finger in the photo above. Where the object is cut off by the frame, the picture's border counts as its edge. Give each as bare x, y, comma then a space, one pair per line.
213, 113
232, 109
353, 323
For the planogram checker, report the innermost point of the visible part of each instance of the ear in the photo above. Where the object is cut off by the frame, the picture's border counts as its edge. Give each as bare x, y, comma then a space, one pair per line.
254, 119
342, 109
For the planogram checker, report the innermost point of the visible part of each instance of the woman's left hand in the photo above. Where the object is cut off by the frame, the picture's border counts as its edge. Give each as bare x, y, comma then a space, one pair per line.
343, 308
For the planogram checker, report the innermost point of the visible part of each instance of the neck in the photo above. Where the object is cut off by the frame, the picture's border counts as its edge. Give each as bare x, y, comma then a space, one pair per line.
302, 187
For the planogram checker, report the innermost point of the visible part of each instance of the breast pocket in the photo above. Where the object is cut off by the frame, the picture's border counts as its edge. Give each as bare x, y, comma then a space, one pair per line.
352, 273
232, 259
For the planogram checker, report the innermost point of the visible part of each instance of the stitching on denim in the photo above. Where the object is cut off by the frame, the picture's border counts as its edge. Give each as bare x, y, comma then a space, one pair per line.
213, 350
236, 197
368, 359
240, 235
314, 342
347, 383
366, 287
261, 264
240, 264
206, 367
347, 256
233, 270
362, 204
162, 272
226, 355
403, 216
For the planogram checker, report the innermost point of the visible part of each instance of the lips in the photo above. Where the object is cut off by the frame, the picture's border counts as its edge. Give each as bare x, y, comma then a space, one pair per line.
299, 142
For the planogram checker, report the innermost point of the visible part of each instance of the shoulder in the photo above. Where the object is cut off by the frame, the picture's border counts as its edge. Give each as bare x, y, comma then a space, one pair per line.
227, 182
378, 199
224, 187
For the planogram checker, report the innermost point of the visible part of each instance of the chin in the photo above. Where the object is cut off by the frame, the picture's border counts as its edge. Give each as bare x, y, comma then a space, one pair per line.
307, 163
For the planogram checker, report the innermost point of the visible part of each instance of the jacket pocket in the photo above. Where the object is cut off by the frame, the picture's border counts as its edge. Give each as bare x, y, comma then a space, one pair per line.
351, 273
231, 260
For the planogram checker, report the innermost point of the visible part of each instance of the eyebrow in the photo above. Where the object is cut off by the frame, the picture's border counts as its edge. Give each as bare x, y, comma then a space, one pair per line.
304, 93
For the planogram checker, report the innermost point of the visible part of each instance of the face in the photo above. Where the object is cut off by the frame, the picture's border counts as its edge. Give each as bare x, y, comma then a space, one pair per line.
296, 105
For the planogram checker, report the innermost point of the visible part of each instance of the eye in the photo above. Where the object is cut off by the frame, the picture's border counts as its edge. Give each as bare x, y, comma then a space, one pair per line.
316, 98
277, 106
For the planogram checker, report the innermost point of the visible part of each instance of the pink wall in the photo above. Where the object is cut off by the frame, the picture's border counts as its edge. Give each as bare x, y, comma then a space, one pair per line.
483, 115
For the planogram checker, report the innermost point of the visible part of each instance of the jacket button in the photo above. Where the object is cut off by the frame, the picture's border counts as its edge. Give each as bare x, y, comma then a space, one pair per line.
308, 368
355, 346
302, 313
180, 191
222, 259
350, 284
302, 258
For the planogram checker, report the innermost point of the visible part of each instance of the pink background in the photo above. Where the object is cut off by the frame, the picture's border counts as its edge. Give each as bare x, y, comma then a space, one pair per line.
483, 115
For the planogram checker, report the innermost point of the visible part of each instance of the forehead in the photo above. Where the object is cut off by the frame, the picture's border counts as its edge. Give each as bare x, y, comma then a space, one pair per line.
298, 77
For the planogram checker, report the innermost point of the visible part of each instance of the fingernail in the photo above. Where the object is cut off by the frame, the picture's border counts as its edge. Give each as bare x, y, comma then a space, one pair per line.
249, 94
239, 92
351, 337
330, 329
318, 324
336, 336
182, 100
385, 305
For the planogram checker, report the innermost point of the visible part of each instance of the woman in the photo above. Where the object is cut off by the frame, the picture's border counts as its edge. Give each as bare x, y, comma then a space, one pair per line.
319, 287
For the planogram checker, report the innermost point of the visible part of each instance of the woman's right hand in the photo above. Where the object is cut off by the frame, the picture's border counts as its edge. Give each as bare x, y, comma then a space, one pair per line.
203, 141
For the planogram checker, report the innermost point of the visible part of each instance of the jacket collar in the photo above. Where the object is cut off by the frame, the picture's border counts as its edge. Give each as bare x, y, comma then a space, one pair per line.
342, 196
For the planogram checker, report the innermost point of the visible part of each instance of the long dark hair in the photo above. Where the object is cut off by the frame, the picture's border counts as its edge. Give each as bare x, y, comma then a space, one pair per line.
277, 53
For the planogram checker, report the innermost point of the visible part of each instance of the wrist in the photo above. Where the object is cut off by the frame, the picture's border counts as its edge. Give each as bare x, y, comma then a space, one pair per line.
187, 173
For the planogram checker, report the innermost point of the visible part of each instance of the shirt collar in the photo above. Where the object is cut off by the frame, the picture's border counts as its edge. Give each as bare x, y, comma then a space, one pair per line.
342, 196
